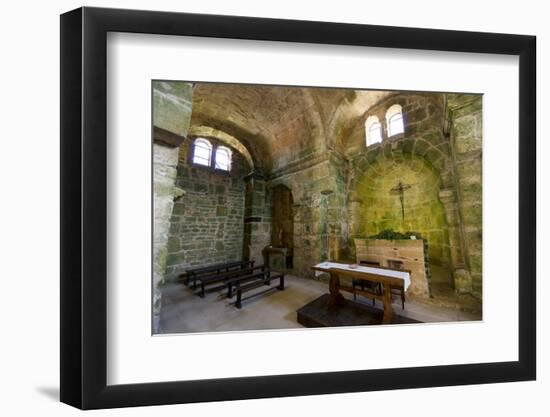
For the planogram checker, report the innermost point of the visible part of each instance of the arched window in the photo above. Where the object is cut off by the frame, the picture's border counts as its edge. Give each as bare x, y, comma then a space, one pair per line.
202, 152
373, 130
394, 119
223, 158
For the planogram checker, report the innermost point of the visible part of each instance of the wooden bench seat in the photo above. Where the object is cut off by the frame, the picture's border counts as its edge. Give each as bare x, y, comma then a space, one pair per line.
227, 279
259, 272
189, 272
242, 288
192, 275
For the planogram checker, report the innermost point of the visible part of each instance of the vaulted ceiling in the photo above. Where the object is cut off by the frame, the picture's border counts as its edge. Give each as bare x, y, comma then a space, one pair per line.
279, 125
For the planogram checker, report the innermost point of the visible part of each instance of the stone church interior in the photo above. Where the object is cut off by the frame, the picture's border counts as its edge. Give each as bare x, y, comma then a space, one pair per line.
281, 207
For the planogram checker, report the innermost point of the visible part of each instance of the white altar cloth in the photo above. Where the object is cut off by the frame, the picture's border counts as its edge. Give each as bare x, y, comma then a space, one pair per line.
405, 276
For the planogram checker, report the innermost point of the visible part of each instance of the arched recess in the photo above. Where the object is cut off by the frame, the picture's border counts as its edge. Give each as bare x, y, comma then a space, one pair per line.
253, 140
402, 195
282, 230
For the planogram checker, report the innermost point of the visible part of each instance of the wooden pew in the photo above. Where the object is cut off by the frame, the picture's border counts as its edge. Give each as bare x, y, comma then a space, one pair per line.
242, 287
227, 279
194, 274
258, 272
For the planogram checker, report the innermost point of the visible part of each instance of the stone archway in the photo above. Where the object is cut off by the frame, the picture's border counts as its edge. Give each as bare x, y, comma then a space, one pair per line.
209, 132
402, 195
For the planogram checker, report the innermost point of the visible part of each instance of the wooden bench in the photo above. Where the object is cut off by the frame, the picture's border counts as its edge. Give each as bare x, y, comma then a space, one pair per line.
192, 275
258, 272
395, 290
227, 279
242, 287
374, 288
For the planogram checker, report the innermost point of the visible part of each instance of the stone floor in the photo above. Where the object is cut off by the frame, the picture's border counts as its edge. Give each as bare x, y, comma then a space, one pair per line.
184, 312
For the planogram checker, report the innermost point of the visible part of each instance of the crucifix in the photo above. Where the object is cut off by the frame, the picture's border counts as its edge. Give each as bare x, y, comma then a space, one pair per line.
400, 188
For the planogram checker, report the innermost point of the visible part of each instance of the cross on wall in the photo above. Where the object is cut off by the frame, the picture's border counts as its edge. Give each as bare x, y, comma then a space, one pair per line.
400, 189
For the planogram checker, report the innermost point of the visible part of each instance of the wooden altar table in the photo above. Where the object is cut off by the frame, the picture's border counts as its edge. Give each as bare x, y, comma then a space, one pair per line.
387, 277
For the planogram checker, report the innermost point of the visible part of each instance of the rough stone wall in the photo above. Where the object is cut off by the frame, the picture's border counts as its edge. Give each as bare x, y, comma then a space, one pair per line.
257, 220
282, 219
172, 104
465, 113
165, 160
320, 217
207, 223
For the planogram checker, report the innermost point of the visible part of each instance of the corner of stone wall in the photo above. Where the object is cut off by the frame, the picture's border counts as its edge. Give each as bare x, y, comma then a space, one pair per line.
465, 119
172, 103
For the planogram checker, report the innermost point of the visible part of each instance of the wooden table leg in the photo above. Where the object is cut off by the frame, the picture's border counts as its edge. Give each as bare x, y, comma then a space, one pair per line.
388, 309
334, 287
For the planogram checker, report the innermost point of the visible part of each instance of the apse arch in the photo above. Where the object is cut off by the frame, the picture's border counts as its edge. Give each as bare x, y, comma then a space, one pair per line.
402, 195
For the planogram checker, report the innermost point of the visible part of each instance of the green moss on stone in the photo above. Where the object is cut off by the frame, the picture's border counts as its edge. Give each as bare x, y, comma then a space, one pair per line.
173, 244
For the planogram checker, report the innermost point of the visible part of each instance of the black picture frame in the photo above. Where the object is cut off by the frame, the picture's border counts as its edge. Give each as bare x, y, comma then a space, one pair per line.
84, 207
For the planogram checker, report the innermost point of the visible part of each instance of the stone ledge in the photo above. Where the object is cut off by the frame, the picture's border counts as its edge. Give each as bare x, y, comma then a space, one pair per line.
165, 137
